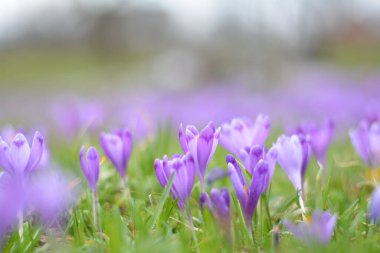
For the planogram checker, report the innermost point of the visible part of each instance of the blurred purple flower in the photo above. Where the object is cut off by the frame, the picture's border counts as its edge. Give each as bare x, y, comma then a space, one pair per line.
219, 205
319, 138
50, 196
18, 158
201, 146
256, 155
319, 230
71, 117
90, 166
242, 133
293, 154
374, 206
183, 167
216, 175
366, 140
118, 148
8, 133
248, 197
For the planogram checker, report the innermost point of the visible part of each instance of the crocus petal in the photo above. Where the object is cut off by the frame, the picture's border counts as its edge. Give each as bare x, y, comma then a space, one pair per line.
160, 173
182, 139
204, 146
360, 141
93, 163
19, 153
258, 185
374, 141
36, 151
374, 206
4, 156
240, 189
113, 148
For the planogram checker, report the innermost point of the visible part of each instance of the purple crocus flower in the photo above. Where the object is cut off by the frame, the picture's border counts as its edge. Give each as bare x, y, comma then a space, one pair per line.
293, 154
319, 137
219, 205
118, 148
242, 133
201, 146
366, 140
256, 155
90, 166
248, 195
183, 167
18, 158
374, 206
319, 230
216, 175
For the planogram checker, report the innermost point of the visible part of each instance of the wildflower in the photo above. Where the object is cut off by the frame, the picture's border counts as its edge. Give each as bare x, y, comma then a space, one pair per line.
248, 195
183, 168
319, 230
374, 206
242, 133
201, 146
219, 205
258, 154
118, 148
319, 137
18, 158
293, 155
216, 175
366, 140
90, 166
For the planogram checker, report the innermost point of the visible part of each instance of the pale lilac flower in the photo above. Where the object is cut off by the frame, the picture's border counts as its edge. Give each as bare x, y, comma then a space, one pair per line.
183, 168
216, 175
90, 166
366, 141
242, 133
320, 229
258, 154
293, 154
18, 158
49, 196
218, 204
248, 195
319, 138
118, 148
374, 206
201, 146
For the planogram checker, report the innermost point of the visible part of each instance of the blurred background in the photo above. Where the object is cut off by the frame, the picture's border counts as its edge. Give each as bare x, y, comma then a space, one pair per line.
78, 64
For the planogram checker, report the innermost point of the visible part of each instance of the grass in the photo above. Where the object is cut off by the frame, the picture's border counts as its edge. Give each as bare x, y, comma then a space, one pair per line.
148, 220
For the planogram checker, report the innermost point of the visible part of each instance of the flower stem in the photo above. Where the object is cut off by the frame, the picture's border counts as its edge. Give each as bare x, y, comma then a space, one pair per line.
20, 217
190, 218
95, 209
302, 205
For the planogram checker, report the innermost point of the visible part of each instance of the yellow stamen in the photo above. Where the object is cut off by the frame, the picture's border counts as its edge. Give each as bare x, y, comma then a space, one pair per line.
373, 174
102, 160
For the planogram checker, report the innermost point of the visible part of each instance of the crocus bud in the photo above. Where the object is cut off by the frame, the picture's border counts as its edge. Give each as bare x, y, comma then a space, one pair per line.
258, 154
90, 166
319, 230
183, 168
248, 195
201, 146
118, 148
374, 206
293, 154
366, 141
17, 157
